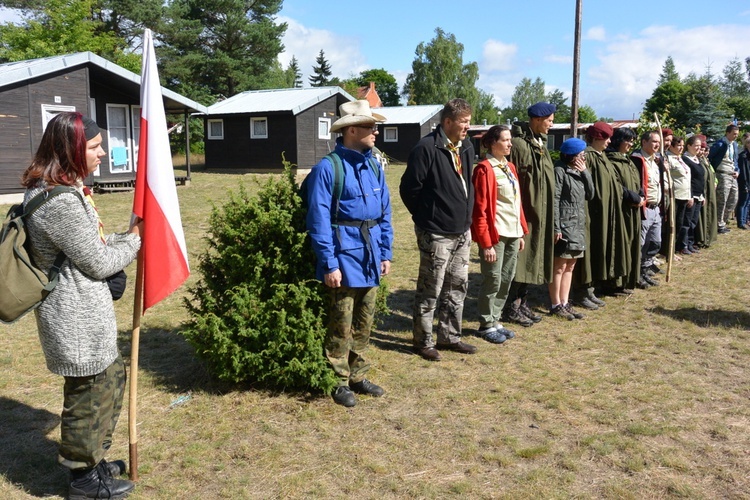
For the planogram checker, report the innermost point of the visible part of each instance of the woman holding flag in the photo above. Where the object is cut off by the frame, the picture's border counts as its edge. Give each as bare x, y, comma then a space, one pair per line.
76, 321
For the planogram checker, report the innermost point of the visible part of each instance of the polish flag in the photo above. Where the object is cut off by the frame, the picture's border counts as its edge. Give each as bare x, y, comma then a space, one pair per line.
163, 250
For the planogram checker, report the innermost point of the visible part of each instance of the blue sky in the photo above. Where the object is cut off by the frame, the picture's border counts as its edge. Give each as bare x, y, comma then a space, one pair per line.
623, 50
624, 44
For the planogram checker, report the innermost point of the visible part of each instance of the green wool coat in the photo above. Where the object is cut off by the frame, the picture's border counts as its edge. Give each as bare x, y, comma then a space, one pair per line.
536, 178
607, 248
630, 179
708, 222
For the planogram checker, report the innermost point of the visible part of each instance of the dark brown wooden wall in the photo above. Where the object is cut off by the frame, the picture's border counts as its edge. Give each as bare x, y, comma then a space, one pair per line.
21, 119
408, 136
295, 136
310, 149
238, 150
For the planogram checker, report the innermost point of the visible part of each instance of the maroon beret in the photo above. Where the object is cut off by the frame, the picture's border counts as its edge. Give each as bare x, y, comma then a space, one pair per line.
599, 130
666, 131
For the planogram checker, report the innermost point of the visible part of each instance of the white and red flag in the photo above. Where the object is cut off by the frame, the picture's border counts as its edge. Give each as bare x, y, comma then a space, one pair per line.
163, 250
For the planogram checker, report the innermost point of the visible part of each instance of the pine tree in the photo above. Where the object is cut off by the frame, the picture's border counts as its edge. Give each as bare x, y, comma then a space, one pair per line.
293, 74
321, 71
668, 72
256, 313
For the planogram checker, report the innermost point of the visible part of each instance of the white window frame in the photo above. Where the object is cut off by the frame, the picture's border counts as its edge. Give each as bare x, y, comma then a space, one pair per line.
385, 134
326, 122
135, 120
128, 167
219, 137
550, 142
49, 111
253, 135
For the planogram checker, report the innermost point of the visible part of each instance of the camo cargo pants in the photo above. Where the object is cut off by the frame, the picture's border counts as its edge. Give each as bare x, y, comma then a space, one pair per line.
441, 287
91, 408
349, 322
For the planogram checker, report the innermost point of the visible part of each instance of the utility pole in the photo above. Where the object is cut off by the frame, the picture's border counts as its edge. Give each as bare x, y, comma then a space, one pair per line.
576, 72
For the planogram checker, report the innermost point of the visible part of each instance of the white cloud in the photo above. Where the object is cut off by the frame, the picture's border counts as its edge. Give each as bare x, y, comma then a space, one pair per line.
498, 56
596, 33
559, 59
500, 88
628, 68
342, 53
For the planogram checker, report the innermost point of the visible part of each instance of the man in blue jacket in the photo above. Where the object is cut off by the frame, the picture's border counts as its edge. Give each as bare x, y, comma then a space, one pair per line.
352, 238
437, 190
723, 157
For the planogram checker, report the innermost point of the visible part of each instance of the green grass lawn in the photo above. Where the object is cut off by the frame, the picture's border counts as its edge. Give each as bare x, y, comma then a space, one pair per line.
646, 398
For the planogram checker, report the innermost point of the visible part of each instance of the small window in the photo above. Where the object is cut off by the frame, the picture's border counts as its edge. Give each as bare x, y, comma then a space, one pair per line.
324, 128
258, 128
216, 129
390, 134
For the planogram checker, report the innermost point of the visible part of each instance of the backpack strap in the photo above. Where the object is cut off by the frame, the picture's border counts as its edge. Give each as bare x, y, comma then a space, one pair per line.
33, 204
338, 179
43, 197
338, 184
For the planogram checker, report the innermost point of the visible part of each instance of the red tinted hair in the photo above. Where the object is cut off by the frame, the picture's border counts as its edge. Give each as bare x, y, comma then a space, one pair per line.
61, 157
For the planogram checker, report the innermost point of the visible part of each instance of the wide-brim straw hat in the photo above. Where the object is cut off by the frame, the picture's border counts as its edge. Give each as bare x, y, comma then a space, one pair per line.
356, 113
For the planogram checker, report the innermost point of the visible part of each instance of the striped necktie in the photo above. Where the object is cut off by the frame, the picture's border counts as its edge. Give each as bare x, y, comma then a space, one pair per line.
456, 157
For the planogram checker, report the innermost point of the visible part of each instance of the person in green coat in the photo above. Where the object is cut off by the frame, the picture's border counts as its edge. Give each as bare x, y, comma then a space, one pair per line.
633, 199
536, 179
607, 247
706, 231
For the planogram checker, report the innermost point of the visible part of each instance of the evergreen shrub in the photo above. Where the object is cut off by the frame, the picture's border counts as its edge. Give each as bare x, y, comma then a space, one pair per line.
257, 313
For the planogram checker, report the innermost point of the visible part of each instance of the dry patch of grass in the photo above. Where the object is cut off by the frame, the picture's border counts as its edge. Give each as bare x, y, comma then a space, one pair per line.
645, 398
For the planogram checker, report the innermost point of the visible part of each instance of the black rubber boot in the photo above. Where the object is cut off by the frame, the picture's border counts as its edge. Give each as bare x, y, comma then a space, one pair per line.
97, 483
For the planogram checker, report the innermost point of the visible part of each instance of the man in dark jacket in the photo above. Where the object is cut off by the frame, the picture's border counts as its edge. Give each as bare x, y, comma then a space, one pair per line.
437, 190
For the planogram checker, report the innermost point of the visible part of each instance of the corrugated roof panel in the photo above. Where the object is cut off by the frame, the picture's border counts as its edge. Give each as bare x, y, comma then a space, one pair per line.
399, 115
266, 101
15, 72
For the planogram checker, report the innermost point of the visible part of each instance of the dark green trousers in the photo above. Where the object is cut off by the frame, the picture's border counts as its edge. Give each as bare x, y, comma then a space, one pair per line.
91, 408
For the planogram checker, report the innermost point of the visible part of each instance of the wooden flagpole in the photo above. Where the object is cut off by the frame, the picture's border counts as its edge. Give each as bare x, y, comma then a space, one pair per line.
670, 209
133, 404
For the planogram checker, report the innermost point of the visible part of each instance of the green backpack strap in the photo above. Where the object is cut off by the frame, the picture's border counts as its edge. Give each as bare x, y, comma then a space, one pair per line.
338, 179
31, 207
338, 183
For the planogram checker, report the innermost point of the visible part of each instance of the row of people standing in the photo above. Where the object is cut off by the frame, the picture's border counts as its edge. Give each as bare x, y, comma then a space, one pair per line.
533, 220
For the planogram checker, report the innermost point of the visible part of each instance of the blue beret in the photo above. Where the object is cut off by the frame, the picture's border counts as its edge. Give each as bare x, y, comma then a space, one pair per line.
541, 109
572, 146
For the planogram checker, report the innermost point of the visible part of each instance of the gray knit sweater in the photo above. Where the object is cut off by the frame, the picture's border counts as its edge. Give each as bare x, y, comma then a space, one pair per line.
76, 321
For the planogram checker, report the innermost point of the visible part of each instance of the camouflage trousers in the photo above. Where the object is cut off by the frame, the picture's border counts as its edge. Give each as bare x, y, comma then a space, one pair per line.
91, 408
441, 287
350, 317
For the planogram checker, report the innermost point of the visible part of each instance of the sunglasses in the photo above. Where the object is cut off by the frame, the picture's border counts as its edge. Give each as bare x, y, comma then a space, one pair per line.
372, 128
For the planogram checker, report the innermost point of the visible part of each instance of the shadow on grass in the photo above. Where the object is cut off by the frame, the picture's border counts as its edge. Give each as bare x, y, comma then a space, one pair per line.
707, 318
175, 367
172, 362
27, 456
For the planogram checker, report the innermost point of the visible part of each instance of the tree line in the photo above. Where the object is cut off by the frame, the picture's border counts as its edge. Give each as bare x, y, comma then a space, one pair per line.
209, 50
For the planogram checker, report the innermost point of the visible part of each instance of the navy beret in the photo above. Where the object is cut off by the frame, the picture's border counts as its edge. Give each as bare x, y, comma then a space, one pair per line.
541, 109
572, 146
